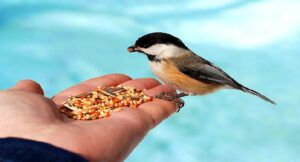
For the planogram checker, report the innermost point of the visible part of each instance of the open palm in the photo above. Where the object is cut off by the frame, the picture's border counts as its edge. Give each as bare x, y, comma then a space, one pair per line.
26, 113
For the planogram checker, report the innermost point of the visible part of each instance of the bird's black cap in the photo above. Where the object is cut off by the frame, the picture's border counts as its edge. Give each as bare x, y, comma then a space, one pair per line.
158, 37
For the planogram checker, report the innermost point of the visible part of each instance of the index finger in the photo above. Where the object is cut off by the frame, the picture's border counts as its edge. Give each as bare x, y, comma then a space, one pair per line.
159, 109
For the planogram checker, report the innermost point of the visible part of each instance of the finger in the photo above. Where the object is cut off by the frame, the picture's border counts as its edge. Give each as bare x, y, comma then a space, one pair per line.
159, 109
29, 86
89, 85
142, 83
107, 80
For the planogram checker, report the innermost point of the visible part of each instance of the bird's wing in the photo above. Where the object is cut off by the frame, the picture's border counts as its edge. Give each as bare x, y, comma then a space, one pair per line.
204, 71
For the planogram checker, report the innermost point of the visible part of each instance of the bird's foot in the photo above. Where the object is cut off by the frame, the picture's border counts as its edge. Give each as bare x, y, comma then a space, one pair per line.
173, 98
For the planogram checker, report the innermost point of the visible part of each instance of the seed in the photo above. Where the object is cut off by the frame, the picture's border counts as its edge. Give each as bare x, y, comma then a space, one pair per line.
92, 110
126, 103
111, 103
107, 114
117, 100
133, 106
118, 109
87, 103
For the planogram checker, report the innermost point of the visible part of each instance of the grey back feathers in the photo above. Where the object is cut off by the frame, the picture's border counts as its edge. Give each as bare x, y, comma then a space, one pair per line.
202, 70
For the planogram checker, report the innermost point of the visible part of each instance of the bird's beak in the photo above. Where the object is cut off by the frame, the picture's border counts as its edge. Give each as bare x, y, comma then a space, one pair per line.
132, 48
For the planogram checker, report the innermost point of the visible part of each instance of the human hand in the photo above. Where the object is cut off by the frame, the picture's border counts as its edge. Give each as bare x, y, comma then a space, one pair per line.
26, 113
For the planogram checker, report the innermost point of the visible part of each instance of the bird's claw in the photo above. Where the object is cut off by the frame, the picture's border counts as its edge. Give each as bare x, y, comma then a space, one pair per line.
173, 98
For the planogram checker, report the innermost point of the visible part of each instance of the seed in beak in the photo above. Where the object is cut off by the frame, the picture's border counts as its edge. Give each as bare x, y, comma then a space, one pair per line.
131, 49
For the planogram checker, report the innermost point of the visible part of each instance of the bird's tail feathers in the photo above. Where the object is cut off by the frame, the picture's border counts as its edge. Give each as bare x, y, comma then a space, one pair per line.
245, 89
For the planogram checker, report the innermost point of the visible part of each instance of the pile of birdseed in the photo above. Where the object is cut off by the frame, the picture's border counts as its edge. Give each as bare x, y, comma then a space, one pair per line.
99, 103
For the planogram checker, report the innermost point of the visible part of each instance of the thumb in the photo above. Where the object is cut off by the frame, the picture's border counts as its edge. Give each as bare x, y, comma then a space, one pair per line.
29, 86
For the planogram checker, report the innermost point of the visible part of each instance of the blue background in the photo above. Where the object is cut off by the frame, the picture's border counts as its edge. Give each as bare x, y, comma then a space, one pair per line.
61, 43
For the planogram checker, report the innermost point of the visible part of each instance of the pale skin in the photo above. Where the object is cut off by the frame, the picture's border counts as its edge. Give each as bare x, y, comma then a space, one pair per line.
27, 113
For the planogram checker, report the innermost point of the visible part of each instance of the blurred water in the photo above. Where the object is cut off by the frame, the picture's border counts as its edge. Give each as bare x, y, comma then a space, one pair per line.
61, 43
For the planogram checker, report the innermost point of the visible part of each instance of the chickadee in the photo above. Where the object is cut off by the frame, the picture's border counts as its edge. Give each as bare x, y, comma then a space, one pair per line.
180, 68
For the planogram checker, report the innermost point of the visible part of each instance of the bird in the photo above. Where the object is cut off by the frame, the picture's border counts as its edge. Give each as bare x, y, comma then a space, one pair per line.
182, 69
